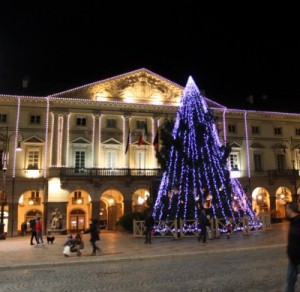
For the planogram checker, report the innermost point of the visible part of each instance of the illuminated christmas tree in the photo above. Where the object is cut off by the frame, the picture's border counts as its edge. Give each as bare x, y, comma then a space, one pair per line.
197, 172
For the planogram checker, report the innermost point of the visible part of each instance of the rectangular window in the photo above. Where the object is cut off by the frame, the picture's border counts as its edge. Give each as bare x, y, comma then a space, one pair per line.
81, 121
3, 118
110, 159
111, 123
35, 119
278, 131
255, 130
297, 132
231, 129
257, 162
234, 161
280, 162
79, 160
140, 125
141, 161
33, 159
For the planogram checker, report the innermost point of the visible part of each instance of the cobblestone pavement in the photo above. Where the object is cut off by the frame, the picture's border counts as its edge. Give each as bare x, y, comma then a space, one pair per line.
243, 263
241, 270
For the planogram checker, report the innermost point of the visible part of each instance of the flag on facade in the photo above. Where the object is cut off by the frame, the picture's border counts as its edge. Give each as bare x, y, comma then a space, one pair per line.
142, 138
127, 145
155, 142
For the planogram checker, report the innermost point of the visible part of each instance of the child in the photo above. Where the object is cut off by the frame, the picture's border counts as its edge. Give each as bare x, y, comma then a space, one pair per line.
78, 244
228, 228
67, 245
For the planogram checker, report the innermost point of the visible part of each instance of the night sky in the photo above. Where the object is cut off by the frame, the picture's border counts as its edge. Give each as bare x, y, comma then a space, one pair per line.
231, 52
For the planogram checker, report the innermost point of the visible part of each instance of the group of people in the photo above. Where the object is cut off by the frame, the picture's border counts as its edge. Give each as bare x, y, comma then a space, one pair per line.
76, 243
36, 229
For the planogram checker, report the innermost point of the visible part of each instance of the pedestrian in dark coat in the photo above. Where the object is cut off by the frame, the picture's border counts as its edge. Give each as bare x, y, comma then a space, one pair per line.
149, 224
94, 232
23, 228
293, 246
33, 231
203, 223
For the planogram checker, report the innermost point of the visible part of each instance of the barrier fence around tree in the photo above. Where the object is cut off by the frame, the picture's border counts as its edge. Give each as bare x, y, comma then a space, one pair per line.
217, 227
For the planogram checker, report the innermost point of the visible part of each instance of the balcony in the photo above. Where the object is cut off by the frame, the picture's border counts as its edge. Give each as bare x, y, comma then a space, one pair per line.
103, 172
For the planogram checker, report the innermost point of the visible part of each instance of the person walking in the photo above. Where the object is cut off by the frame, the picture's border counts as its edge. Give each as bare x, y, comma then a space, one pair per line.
293, 246
94, 232
149, 224
203, 223
39, 230
33, 231
23, 228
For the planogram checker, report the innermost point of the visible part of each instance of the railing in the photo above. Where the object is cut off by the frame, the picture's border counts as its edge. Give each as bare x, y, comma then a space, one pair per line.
189, 228
283, 173
98, 172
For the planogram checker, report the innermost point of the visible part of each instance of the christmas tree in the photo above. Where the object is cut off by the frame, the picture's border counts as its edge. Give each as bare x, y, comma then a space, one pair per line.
197, 173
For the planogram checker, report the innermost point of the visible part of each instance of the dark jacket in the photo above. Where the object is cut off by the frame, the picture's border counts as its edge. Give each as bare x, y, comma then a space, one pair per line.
203, 220
94, 232
149, 222
293, 246
32, 225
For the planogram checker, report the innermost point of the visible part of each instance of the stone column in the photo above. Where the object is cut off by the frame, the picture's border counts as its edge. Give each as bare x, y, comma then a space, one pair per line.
96, 210
54, 140
126, 127
127, 206
65, 140
97, 142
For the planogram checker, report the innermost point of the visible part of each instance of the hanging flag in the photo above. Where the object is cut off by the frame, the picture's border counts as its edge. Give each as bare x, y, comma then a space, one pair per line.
155, 142
127, 145
142, 138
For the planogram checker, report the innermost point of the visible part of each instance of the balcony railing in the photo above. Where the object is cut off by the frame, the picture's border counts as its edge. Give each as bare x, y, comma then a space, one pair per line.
98, 172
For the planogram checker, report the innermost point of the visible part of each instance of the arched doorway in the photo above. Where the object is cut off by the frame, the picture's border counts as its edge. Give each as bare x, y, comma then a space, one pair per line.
78, 210
283, 195
112, 201
140, 200
76, 220
260, 200
103, 214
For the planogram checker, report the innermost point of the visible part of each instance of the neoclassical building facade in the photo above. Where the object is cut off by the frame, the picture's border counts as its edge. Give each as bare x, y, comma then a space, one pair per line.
81, 153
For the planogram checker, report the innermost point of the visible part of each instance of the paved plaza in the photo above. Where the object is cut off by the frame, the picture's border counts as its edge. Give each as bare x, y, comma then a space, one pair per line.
253, 263
17, 251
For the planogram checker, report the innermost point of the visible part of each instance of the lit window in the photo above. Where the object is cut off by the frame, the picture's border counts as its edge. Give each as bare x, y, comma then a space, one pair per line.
234, 161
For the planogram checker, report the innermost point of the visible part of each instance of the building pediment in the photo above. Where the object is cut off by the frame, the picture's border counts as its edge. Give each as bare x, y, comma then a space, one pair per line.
256, 145
140, 86
111, 141
34, 139
80, 140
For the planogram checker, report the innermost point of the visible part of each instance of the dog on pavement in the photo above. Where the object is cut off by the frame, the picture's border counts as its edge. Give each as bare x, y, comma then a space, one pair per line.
50, 239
